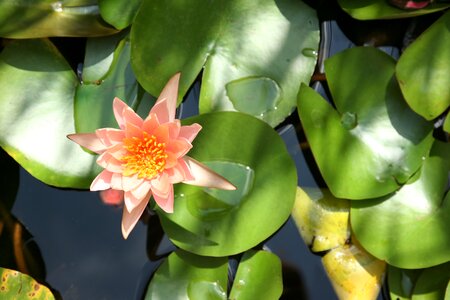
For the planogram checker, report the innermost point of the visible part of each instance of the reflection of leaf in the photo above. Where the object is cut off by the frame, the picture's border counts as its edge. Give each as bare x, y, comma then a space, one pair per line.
372, 142
423, 68
15, 285
321, 219
242, 221
409, 229
380, 9
268, 47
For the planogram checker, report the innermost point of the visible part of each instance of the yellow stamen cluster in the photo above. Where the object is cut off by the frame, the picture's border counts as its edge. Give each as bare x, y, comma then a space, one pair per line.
146, 157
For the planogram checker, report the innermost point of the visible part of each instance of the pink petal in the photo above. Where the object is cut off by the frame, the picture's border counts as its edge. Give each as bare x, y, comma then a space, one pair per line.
161, 185
111, 197
174, 128
180, 172
150, 124
129, 219
107, 161
133, 131
110, 136
162, 134
102, 181
165, 202
179, 147
117, 151
89, 141
204, 176
132, 201
166, 104
118, 107
131, 117
116, 181
190, 132
416, 5
131, 182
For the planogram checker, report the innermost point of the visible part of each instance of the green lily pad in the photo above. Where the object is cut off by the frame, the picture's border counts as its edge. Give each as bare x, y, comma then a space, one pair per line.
15, 285
254, 54
119, 13
36, 114
253, 157
373, 141
321, 219
380, 9
401, 282
44, 18
258, 277
422, 70
432, 283
447, 123
107, 74
408, 229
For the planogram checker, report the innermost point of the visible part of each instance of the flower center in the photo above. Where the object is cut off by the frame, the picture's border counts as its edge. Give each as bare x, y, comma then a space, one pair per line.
146, 157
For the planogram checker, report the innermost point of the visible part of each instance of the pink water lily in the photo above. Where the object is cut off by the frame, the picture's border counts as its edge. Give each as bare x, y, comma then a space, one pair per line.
145, 158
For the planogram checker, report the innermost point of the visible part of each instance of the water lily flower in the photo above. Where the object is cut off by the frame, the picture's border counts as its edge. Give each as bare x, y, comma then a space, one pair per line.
145, 157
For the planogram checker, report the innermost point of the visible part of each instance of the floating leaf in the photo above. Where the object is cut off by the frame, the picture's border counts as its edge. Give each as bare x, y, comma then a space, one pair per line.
15, 285
321, 219
401, 282
257, 162
258, 277
408, 229
188, 276
372, 142
44, 18
354, 273
380, 9
423, 68
447, 123
255, 54
432, 283
36, 113
119, 13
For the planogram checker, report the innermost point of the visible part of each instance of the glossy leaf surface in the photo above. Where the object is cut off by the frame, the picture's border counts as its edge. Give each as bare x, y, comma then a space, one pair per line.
187, 276
401, 282
432, 283
380, 9
36, 113
119, 13
15, 285
250, 154
44, 18
422, 70
405, 227
321, 219
372, 142
258, 277
254, 54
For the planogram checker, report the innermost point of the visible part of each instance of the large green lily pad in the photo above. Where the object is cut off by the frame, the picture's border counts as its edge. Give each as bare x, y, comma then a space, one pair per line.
252, 156
373, 141
423, 70
36, 113
44, 18
15, 285
409, 229
254, 54
380, 9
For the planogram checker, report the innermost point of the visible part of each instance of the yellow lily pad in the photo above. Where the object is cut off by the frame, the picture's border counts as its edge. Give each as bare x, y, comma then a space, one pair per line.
321, 218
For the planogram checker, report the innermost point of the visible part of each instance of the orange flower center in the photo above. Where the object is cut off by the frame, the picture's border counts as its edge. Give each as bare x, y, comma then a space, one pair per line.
146, 157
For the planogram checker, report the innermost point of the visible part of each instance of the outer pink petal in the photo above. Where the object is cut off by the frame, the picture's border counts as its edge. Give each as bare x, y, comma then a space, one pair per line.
204, 176
165, 202
131, 117
118, 107
107, 161
131, 182
129, 219
110, 136
190, 132
161, 185
150, 124
131, 201
179, 147
117, 151
174, 128
133, 131
180, 172
89, 141
102, 181
166, 104
116, 181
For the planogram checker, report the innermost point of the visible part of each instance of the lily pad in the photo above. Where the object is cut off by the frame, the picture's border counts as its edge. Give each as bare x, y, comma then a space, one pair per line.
188, 276
44, 18
380, 9
432, 283
321, 219
220, 225
258, 277
408, 229
373, 142
15, 285
447, 123
254, 54
119, 13
422, 70
401, 282
36, 114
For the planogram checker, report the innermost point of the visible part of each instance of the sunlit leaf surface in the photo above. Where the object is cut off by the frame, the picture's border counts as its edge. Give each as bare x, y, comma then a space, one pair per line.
423, 70
250, 154
409, 228
254, 54
119, 13
15, 285
372, 142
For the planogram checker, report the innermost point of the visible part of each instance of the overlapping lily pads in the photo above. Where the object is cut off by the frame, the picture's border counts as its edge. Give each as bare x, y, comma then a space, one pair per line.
252, 156
15, 285
119, 13
423, 70
373, 141
380, 9
409, 229
254, 54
